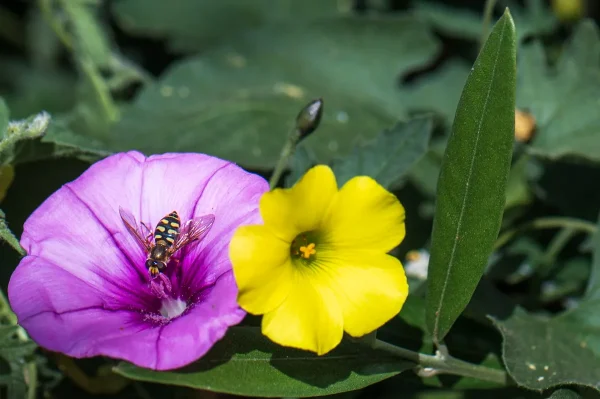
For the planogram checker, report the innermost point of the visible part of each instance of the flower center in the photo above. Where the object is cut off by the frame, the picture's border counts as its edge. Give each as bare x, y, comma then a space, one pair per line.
307, 251
172, 308
304, 246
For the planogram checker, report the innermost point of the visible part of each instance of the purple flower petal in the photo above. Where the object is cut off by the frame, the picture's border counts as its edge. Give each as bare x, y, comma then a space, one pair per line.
65, 232
83, 289
217, 199
199, 329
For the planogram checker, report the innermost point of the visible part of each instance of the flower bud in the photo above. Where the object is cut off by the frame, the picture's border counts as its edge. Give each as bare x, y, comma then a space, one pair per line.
525, 125
309, 118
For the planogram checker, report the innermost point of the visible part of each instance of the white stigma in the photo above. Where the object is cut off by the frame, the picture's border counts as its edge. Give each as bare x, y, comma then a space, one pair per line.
172, 307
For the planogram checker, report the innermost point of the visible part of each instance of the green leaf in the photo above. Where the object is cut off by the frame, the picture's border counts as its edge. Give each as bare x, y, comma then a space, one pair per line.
563, 98
247, 363
564, 394
472, 182
239, 101
439, 91
452, 21
33, 89
63, 133
426, 172
518, 192
541, 353
193, 25
31, 128
389, 156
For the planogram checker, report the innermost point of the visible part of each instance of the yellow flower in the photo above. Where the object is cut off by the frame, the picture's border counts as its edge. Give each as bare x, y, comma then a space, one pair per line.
319, 264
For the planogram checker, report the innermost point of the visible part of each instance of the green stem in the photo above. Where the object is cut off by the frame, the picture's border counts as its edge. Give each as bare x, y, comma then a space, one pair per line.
440, 364
557, 244
111, 111
90, 70
286, 153
547, 223
55, 24
32, 380
487, 19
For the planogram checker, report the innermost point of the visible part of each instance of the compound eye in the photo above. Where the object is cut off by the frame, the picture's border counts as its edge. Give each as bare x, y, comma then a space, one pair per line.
151, 263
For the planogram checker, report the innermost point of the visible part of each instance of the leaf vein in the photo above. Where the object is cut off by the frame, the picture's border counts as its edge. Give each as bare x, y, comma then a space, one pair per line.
464, 203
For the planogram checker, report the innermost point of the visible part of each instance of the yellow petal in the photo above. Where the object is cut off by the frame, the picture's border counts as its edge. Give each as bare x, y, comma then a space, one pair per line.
310, 317
371, 288
289, 212
262, 268
366, 216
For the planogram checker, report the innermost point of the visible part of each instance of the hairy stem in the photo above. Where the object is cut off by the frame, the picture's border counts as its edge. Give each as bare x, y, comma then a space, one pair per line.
8, 236
445, 364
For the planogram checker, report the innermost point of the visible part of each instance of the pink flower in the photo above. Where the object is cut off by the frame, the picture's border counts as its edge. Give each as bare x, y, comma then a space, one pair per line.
84, 289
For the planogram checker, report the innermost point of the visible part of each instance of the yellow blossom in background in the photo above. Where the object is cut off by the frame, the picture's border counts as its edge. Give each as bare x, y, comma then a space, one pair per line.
568, 10
524, 126
319, 264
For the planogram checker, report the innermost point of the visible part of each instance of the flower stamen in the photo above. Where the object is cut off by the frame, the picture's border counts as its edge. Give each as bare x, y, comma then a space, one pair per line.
304, 246
308, 250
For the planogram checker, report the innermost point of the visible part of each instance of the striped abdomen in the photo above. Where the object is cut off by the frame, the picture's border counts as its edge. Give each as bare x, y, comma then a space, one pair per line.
167, 230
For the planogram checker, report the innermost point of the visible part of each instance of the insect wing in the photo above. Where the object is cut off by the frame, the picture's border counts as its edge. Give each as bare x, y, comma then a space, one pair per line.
131, 224
193, 230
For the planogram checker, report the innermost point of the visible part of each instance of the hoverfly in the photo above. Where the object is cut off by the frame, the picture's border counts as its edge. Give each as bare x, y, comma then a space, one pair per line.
169, 237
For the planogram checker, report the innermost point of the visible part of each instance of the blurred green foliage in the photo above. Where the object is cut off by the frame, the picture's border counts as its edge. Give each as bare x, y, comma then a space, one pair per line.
81, 79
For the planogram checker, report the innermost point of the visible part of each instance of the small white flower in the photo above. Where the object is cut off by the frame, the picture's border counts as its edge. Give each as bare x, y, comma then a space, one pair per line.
417, 263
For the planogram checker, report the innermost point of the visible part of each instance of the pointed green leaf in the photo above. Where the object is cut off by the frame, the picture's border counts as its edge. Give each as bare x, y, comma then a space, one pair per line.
389, 156
472, 182
247, 363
